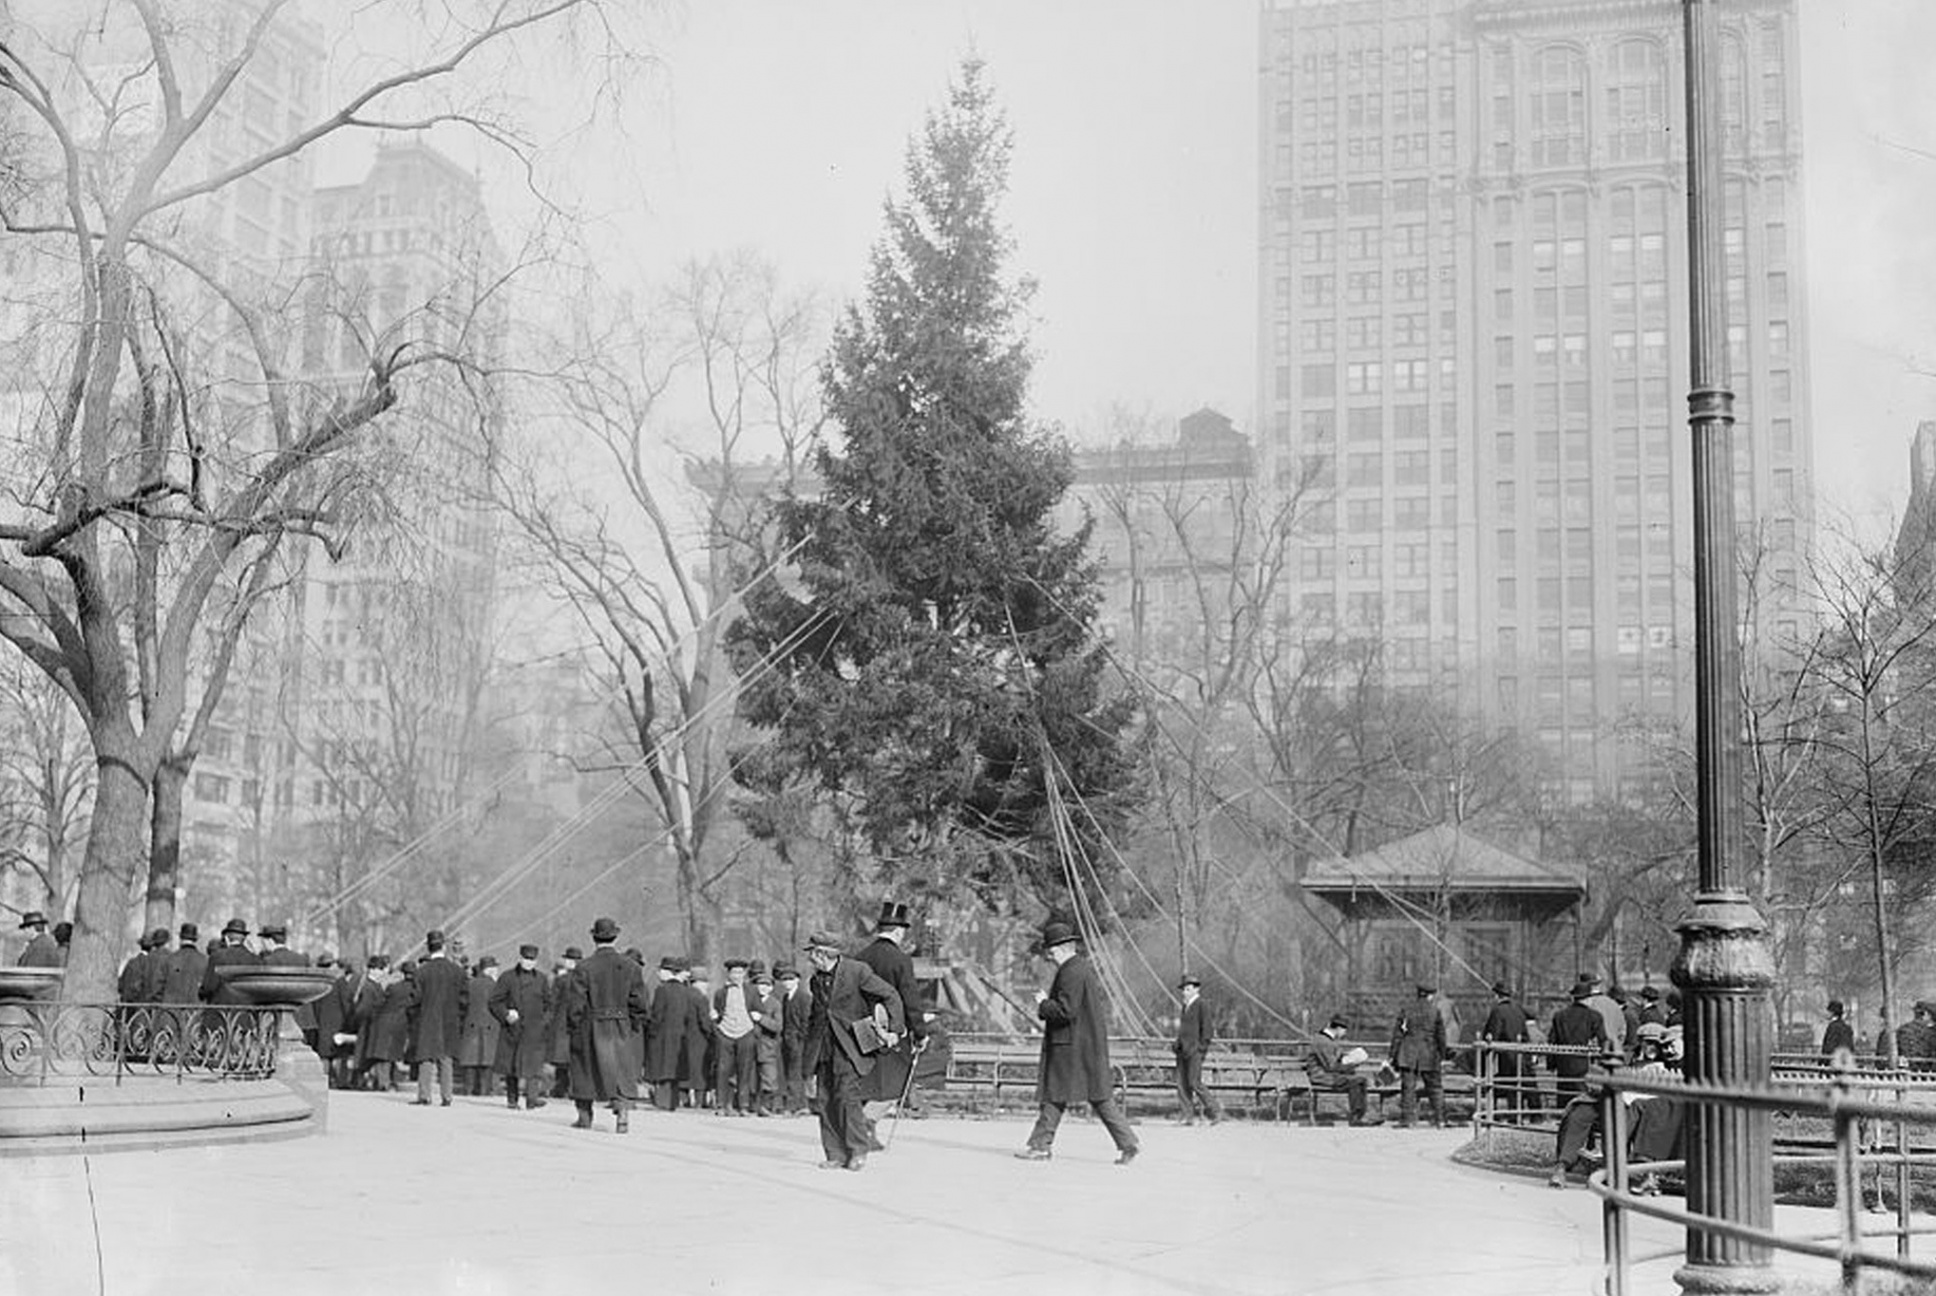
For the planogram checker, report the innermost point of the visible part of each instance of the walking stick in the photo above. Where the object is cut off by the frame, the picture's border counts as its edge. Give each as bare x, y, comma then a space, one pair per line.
914, 1061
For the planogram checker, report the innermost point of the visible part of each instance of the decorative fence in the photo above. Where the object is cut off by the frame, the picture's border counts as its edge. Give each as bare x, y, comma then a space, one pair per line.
1862, 1132
57, 1042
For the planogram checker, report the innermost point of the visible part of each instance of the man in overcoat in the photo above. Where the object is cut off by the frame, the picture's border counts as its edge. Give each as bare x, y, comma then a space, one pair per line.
275, 948
558, 1040
182, 982
41, 950
796, 1010
846, 992
477, 1049
443, 993
887, 955
521, 1003
1578, 1025
604, 997
1512, 1072
1193, 1040
1418, 1053
696, 1060
232, 952
666, 1023
1075, 1050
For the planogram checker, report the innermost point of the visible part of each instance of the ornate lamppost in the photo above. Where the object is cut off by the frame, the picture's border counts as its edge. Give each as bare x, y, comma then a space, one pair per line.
1724, 967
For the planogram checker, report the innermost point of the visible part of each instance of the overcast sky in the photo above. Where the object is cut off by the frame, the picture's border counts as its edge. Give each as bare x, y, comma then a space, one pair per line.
780, 125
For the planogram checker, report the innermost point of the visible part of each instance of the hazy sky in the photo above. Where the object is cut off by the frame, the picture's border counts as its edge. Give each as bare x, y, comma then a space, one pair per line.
780, 125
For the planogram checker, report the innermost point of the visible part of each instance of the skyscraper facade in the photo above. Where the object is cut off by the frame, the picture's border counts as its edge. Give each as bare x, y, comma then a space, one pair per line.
1473, 346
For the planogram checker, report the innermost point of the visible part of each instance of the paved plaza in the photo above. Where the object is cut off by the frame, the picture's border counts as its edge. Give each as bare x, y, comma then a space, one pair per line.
477, 1200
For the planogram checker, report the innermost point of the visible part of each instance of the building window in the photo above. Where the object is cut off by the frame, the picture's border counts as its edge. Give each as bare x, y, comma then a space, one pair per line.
1636, 101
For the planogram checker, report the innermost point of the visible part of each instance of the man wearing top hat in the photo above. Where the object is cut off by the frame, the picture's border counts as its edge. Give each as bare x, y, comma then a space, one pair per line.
41, 949
1417, 1052
437, 1022
604, 998
887, 955
855, 1014
1075, 1050
1193, 1040
232, 952
521, 1003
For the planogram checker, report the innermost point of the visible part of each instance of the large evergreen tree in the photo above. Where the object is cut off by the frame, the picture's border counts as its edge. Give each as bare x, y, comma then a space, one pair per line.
929, 661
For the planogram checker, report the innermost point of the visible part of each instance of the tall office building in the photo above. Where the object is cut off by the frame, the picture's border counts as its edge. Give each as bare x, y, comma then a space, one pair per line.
1473, 344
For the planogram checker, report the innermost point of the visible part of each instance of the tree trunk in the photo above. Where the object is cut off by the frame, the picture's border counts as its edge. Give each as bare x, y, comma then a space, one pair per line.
164, 843
116, 850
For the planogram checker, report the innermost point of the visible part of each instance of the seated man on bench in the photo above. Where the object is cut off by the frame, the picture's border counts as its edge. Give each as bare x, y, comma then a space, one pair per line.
1334, 1069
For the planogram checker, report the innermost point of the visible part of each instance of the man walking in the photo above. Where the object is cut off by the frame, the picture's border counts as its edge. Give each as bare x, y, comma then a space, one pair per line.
443, 992
855, 1015
1075, 1050
521, 1003
887, 955
1193, 1040
604, 998
1417, 1051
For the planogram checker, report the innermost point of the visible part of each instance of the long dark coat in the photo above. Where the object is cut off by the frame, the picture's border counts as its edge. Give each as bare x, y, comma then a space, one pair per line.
1418, 1037
390, 1028
331, 1013
478, 1047
183, 982
214, 989
131, 986
557, 1039
437, 1026
522, 1045
604, 997
892, 964
1075, 1041
693, 1068
841, 997
666, 1025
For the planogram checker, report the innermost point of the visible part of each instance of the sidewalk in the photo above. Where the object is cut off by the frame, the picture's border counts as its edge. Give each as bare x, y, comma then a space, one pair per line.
477, 1200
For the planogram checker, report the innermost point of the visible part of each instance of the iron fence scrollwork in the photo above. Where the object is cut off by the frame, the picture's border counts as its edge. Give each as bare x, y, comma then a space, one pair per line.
45, 1042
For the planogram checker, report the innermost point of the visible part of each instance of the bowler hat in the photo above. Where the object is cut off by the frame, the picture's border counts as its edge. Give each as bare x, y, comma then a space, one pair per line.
274, 931
756, 968
762, 978
604, 931
573, 952
145, 942
1582, 990
159, 937
488, 961
527, 951
434, 939
1835, 1007
822, 940
1190, 979
190, 933
1501, 989
1426, 988
735, 962
33, 918
1057, 933
893, 914
1338, 1023
1650, 992
235, 927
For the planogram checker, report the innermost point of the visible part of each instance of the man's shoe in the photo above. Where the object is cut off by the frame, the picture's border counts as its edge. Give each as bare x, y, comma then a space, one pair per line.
512, 1103
532, 1104
1033, 1154
1557, 1179
831, 1164
420, 1102
584, 1121
874, 1144
624, 1122
1127, 1155
858, 1162
444, 1103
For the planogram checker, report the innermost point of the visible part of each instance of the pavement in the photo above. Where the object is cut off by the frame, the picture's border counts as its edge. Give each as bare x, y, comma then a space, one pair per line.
479, 1200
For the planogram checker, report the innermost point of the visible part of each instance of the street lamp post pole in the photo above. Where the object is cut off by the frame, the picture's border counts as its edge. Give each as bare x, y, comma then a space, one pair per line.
1724, 967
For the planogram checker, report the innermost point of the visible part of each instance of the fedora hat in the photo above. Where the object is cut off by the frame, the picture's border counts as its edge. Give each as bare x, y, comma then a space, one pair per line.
1057, 933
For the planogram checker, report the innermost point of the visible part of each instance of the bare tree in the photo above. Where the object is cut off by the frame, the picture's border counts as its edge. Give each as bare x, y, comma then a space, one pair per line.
46, 782
648, 577
172, 459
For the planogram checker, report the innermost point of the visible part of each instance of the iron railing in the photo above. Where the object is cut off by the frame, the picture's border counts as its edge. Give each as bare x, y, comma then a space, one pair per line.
50, 1042
1857, 1121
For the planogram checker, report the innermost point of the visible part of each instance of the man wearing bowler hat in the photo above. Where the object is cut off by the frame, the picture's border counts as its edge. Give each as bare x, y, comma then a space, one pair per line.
1075, 1050
1193, 1040
1512, 1072
855, 1015
232, 952
604, 1001
437, 1026
41, 949
1417, 1052
521, 1002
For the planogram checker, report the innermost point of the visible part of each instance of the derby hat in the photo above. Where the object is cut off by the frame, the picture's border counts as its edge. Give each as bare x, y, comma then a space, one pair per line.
190, 933
274, 931
1502, 990
235, 927
1650, 992
1057, 933
572, 952
734, 962
527, 950
1190, 979
434, 939
604, 931
158, 937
